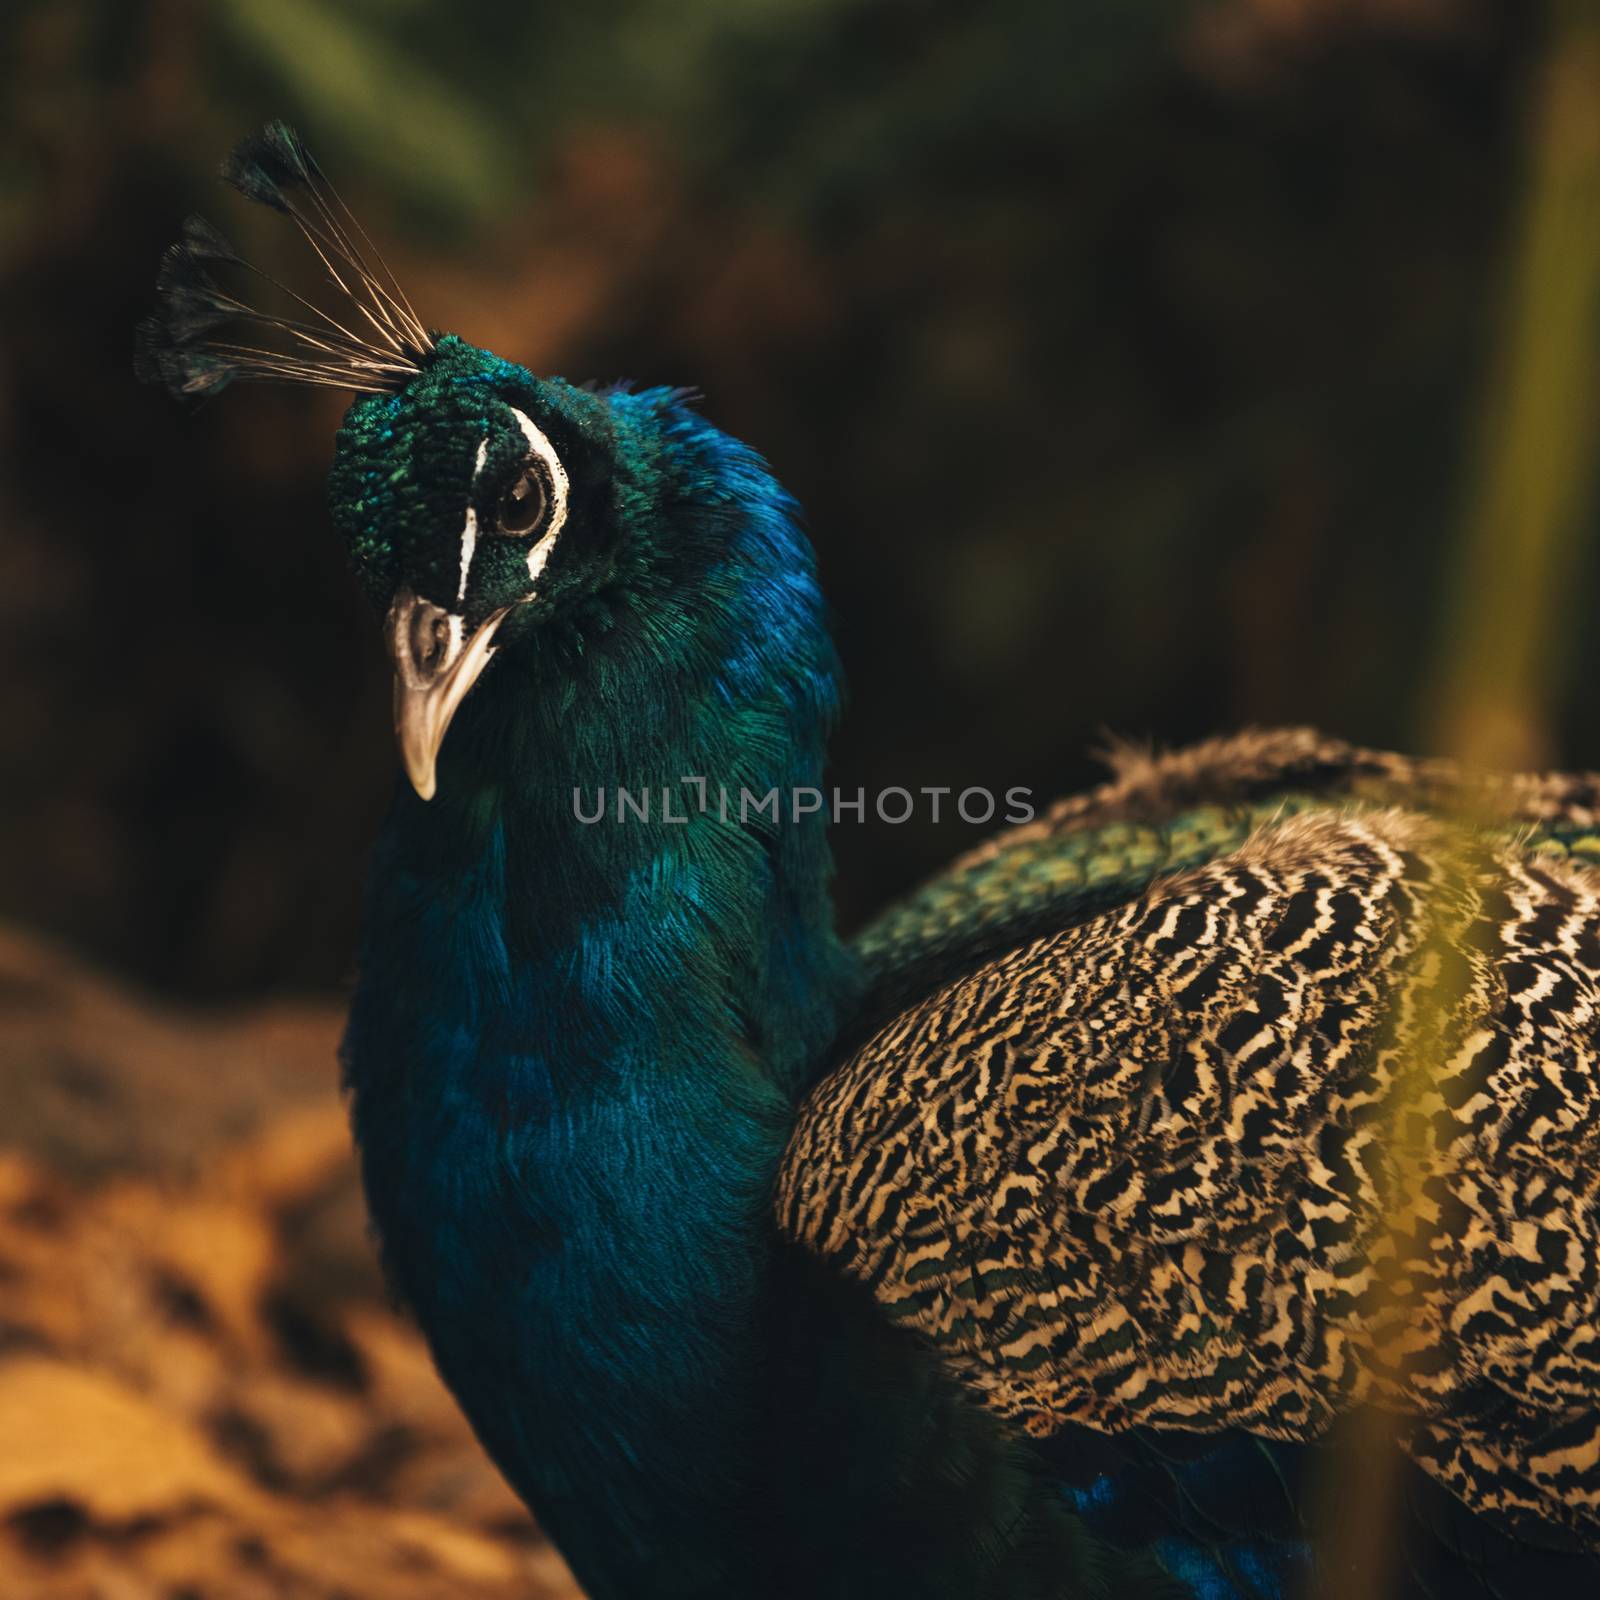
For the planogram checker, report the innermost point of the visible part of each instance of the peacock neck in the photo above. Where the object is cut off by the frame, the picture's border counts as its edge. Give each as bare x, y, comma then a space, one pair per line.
573, 1053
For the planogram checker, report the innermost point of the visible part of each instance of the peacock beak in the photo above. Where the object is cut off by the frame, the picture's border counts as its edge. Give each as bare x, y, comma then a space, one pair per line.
435, 663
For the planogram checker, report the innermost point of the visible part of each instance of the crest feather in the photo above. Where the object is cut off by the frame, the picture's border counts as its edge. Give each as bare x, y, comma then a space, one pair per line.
376, 342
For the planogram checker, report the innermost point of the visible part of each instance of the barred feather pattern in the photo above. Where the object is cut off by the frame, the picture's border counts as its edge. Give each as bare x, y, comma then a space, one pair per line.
1159, 814
1310, 1125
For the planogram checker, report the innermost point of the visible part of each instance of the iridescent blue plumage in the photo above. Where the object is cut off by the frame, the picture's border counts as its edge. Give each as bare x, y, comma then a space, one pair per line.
570, 1119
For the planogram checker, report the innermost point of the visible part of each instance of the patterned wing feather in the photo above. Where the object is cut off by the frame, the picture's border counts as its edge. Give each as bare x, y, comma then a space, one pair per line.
1309, 1125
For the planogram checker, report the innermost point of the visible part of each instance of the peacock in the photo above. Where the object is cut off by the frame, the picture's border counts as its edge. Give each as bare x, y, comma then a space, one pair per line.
1033, 1244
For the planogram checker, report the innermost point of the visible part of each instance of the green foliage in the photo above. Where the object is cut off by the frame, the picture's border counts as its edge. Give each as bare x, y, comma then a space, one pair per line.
372, 94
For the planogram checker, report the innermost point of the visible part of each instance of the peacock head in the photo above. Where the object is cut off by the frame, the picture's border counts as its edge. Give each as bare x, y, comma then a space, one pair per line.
488, 512
478, 504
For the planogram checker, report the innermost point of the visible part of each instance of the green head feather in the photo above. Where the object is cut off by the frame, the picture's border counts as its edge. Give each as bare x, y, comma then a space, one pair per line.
462, 485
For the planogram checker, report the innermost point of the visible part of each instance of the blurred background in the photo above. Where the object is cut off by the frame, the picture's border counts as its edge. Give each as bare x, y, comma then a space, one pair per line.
1145, 367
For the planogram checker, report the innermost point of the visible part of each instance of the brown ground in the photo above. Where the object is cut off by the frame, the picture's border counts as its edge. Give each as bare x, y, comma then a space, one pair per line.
203, 1390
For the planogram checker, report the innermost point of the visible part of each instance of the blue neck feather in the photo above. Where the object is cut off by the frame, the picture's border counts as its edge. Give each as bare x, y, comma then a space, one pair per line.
574, 1049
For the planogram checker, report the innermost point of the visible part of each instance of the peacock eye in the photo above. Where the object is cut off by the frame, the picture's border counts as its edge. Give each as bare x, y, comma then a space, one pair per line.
526, 504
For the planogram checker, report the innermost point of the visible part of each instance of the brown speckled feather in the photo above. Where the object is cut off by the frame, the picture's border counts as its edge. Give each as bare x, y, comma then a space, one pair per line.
1267, 761
1309, 1124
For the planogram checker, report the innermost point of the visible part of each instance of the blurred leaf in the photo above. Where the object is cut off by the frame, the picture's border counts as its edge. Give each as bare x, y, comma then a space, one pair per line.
1515, 598
350, 79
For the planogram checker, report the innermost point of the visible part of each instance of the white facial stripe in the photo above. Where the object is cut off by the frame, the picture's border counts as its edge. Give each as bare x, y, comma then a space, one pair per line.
469, 532
541, 447
469, 543
540, 554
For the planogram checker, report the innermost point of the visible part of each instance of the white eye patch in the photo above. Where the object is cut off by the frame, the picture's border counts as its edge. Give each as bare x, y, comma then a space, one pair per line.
540, 447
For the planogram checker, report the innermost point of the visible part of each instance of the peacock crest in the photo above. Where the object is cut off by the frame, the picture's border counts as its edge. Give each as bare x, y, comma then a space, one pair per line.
205, 336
